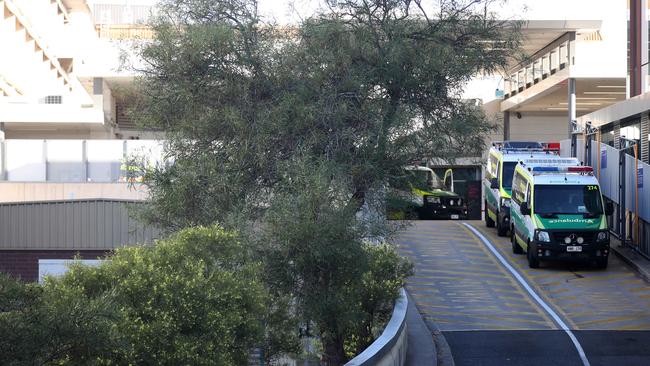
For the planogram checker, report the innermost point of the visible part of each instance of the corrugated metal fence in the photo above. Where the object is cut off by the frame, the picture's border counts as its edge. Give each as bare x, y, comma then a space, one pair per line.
72, 225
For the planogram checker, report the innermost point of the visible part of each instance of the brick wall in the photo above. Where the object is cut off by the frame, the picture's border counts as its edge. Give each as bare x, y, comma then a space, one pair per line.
23, 264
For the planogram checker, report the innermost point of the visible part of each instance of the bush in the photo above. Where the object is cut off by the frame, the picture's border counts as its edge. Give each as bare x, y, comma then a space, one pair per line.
47, 326
193, 298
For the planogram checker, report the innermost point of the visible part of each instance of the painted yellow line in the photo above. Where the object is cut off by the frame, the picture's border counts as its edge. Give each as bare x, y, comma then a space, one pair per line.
526, 272
605, 275
471, 275
641, 289
642, 326
514, 283
565, 298
610, 320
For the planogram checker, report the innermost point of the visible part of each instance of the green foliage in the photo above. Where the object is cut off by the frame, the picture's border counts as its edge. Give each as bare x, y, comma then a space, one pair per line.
194, 298
290, 134
53, 326
368, 86
378, 290
316, 249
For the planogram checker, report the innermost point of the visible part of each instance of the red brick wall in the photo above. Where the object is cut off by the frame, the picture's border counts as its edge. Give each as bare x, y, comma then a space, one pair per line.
23, 264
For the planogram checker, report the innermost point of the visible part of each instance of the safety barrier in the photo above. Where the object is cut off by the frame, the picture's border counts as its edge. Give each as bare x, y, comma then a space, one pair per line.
390, 348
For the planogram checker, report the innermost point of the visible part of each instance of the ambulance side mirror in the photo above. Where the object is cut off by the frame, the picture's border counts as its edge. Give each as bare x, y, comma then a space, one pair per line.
525, 210
494, 183
609, 209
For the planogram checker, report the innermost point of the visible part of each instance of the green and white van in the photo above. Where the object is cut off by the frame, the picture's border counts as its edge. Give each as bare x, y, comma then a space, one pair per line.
502, 159
557, 212
419, 193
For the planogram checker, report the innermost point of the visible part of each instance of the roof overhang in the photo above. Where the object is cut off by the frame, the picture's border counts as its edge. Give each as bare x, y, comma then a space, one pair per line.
618, 111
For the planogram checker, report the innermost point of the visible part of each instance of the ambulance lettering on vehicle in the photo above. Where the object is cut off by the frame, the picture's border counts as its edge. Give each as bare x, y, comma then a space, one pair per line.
558, 213
502, 159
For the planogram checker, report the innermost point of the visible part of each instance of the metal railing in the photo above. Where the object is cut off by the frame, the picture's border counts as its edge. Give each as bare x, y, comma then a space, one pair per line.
548, 61
125, 32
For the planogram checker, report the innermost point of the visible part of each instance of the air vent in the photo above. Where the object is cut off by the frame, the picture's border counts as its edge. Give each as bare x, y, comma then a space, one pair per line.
52, 99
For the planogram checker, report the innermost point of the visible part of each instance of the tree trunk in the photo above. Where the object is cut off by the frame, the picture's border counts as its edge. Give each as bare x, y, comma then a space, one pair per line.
334, 352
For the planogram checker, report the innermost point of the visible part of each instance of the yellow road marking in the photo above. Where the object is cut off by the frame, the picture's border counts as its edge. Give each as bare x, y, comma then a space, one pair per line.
527, 276
610, 320
514, 283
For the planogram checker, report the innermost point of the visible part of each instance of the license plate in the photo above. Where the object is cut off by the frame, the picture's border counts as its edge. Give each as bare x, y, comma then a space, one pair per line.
573, 248
454, 217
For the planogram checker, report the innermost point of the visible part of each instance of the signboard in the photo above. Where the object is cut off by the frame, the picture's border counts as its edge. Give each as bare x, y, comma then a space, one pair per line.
603, 158
639, 175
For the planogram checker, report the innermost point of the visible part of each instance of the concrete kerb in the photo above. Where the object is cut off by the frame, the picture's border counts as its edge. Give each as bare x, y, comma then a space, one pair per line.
443, 351
390, 348
421, 350
637, 262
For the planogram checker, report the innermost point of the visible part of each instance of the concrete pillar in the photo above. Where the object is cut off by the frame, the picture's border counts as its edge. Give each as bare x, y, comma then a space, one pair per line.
3, 153
506, 126
572, 113
638, 47
644, 46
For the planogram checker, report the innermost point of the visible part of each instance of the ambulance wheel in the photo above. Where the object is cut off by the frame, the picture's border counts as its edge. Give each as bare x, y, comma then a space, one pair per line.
488, 221
502, 230
601, 263
533, 261
515, 246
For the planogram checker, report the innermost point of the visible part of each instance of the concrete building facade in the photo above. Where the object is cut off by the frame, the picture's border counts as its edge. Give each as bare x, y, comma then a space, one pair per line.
66, 137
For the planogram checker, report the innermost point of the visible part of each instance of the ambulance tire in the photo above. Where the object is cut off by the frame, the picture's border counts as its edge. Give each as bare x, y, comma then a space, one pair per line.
516, 248
533, 261
501, 229
488, 221
601, 263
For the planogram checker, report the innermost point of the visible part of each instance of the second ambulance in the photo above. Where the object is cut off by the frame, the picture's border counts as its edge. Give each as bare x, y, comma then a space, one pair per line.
557, 212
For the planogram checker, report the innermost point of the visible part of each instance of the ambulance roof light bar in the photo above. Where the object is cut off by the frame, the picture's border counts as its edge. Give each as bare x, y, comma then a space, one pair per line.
563, 169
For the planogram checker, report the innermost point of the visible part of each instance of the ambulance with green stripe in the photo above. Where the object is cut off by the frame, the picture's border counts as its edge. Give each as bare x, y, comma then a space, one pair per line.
502, 159
419, 193
557, 212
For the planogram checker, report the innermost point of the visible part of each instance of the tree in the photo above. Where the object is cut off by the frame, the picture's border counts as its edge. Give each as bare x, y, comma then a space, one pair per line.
286, 132
369, 85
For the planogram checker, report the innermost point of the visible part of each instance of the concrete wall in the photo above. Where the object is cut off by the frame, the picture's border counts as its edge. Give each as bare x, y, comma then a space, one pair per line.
492, 110
390, 348
535, 127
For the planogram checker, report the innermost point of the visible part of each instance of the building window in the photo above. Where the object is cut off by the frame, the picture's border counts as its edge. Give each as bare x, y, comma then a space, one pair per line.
607, 134
630, 134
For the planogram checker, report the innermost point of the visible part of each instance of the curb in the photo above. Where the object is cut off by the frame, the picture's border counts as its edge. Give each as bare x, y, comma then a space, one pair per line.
443, 351
445, 358
632, 259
